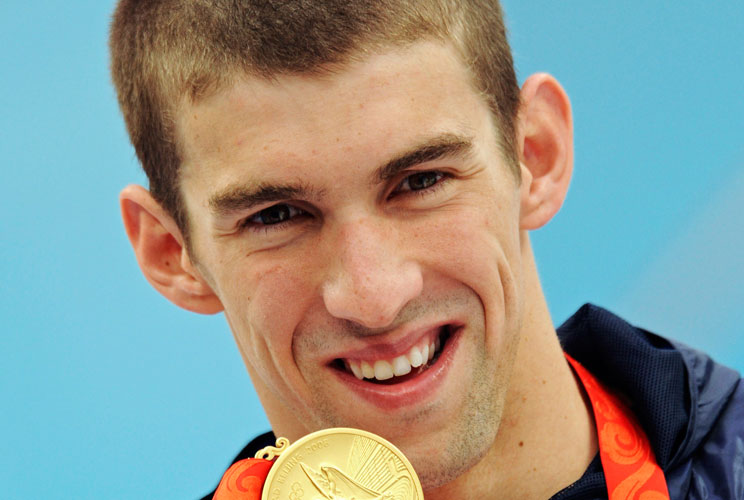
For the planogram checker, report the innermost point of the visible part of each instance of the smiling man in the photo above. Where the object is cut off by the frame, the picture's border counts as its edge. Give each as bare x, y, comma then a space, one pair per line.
352, 184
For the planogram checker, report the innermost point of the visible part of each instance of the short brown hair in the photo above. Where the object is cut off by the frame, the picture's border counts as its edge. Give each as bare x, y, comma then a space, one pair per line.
165, 50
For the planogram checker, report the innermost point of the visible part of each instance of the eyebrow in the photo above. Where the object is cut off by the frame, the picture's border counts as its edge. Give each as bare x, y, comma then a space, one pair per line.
239, 198
443, 146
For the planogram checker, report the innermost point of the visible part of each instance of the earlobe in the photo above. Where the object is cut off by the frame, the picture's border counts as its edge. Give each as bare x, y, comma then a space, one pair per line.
546, 149
159, 248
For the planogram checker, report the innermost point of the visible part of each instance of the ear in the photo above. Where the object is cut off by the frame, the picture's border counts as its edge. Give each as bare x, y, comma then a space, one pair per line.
161, 254
546, 149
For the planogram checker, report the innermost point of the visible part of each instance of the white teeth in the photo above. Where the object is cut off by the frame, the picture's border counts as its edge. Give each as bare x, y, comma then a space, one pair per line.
356, 369
415, 357
401, 366
383, 370
425, 353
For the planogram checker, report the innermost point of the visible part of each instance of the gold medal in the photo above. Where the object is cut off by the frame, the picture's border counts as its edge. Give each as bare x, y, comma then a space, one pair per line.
339, 464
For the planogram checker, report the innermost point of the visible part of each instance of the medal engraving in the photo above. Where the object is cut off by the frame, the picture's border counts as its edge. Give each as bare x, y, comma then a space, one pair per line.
342, 464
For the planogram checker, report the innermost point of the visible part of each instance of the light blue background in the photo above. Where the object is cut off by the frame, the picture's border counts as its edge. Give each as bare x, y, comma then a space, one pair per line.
109, 391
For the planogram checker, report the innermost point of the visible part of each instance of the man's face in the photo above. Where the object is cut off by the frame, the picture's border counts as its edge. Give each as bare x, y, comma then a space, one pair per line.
348, 223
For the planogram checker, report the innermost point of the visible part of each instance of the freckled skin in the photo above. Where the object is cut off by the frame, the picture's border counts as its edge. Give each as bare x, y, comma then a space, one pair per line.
366, 262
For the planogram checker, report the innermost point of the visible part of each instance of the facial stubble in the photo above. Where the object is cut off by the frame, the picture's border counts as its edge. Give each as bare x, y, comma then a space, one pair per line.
456, 450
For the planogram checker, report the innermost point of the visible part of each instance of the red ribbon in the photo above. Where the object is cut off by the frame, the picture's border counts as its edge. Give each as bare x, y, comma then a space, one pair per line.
630, 468
244, 480
629, 464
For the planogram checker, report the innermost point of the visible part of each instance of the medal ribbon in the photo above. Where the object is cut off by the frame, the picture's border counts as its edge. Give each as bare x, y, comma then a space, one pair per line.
630, 468
629, 464
244, 480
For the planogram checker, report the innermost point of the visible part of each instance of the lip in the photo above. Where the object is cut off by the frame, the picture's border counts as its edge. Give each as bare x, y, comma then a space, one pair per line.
413, 391
390, 350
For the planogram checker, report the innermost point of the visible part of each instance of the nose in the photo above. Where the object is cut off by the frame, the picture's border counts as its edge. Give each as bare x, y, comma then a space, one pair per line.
370, 278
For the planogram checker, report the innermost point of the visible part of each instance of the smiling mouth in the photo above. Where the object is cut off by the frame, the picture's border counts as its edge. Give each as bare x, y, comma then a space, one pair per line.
401, 368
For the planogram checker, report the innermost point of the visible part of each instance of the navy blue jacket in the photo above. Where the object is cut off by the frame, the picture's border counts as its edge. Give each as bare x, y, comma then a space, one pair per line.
691, 408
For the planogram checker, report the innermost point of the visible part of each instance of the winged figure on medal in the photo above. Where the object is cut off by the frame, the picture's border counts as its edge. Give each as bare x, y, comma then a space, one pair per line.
372, 472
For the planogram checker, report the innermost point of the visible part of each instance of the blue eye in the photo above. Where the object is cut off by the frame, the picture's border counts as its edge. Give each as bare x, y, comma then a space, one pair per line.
420, 181
275, 214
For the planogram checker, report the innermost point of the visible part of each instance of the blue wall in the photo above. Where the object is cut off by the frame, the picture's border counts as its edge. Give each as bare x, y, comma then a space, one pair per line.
109, 391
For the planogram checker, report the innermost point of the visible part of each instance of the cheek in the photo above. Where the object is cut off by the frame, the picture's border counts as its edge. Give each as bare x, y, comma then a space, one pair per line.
264, 307
480, 249
473, 243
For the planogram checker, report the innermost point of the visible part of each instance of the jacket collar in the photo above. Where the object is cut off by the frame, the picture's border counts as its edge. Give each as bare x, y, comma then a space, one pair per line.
676, 392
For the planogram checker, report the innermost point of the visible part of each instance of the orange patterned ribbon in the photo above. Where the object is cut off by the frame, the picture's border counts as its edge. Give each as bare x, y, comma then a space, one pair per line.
630, 468
244, 480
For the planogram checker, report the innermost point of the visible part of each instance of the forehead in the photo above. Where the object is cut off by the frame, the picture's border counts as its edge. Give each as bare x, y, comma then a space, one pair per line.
348, 118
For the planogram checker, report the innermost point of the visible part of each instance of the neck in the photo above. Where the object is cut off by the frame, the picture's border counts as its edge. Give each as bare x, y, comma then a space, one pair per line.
546, 437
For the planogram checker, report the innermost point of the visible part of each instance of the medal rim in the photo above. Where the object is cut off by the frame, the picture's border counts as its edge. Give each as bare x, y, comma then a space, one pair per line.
338, 430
